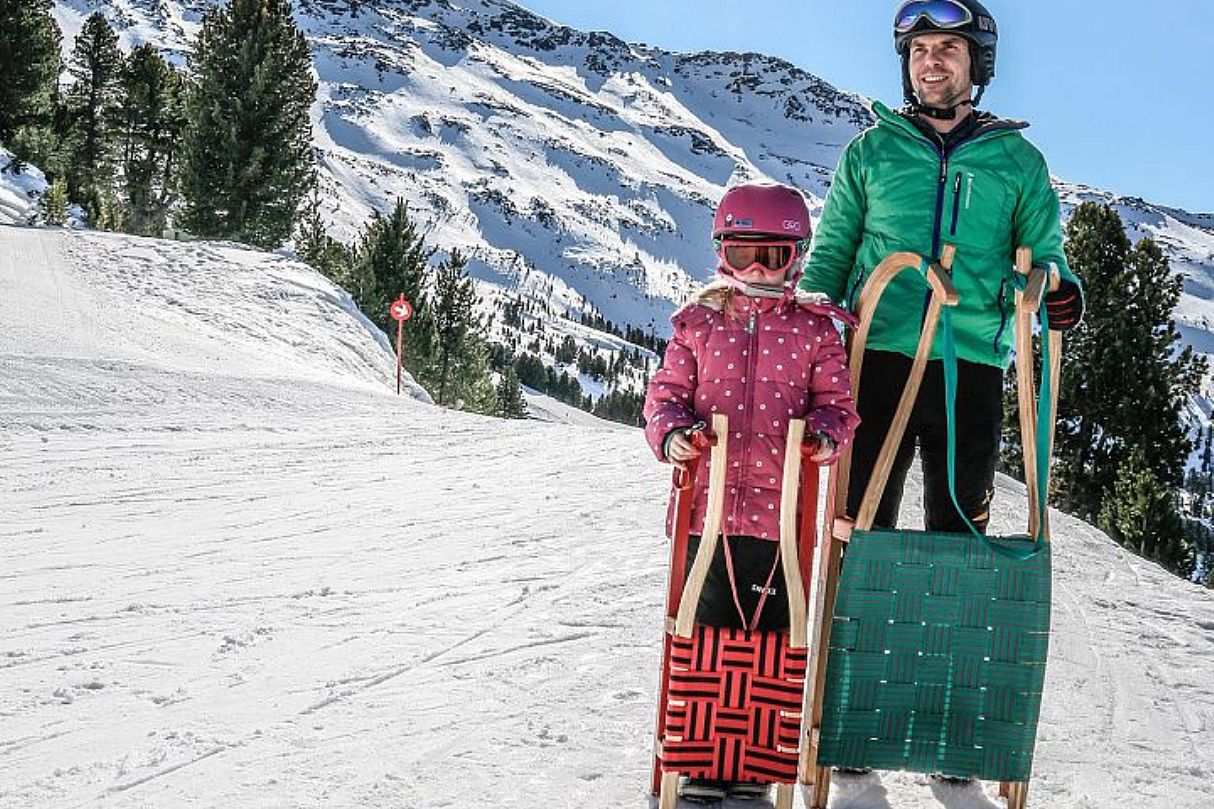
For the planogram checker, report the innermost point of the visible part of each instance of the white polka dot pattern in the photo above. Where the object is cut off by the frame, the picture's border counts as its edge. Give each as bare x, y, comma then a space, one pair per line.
796, 363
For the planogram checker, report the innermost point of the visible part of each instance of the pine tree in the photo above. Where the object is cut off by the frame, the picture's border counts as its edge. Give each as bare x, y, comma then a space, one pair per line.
247, 155
622, 406
55, 203
92, 105
1143, 515
567, 352
461, 368
510, 401
392, 259
151, 116
530, 369
316, 248
1125, 380
30, 65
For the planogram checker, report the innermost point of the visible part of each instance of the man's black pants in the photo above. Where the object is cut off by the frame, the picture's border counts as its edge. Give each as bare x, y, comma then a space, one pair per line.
979, 421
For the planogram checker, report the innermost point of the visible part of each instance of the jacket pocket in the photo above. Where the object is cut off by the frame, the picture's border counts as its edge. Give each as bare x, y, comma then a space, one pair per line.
986, 203
952, 228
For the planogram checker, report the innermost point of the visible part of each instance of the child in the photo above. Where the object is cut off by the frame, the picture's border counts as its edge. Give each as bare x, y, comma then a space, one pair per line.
752, 348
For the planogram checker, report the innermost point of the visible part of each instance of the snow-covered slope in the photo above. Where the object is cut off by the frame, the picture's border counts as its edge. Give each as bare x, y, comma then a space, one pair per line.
20, 191
239, 571
84, 313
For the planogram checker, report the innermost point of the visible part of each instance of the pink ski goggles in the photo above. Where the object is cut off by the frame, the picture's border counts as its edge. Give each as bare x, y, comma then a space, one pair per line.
771, 255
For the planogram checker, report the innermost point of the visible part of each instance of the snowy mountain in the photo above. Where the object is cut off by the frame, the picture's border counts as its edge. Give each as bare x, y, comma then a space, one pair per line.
574, 168
239, 571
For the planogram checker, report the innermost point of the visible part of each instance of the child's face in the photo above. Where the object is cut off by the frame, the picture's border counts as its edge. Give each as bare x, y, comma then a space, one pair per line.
758, 262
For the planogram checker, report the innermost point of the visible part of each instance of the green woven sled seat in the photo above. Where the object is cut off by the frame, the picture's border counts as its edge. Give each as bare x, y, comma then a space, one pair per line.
937, 656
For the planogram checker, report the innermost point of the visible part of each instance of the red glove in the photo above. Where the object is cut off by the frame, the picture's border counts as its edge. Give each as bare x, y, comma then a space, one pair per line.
1064, 306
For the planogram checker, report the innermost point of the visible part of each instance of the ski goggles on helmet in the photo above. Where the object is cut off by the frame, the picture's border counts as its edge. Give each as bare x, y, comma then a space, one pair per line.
772, 255
941, 13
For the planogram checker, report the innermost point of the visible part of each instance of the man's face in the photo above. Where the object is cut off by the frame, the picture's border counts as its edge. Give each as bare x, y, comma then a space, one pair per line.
940, 69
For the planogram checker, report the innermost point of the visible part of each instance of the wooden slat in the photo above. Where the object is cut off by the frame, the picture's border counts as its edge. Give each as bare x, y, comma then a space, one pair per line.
943, 294
828, 559
669, 796
790, 496
685, 621
1025, 392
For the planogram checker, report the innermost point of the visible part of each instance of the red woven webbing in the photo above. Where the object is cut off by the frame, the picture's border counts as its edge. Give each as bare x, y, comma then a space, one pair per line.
734, 706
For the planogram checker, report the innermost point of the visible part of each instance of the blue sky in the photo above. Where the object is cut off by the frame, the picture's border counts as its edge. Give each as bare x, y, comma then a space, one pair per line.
1120, 94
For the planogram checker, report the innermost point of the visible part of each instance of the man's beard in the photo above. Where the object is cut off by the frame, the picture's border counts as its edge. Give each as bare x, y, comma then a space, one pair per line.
944, 95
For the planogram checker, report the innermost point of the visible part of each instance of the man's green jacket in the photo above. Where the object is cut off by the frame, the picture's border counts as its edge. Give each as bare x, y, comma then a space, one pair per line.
896, 190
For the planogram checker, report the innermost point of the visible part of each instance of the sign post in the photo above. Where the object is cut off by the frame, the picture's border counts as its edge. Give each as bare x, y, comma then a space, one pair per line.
401, 311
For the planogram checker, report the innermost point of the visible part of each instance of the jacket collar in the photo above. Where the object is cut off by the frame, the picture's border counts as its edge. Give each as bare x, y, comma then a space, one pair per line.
987, 124
711, 294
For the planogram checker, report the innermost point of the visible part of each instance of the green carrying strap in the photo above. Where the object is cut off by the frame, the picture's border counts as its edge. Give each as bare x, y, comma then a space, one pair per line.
1015, 548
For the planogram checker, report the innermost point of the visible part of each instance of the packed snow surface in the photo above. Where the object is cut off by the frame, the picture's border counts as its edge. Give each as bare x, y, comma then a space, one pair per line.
240, 571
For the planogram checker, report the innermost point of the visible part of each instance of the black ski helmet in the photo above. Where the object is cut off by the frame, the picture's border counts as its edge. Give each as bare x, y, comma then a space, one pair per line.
980, 30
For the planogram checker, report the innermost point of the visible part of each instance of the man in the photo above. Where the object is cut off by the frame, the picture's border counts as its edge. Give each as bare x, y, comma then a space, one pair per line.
939, 172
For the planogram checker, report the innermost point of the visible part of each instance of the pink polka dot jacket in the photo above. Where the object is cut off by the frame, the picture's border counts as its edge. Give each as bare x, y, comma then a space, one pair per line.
771, 361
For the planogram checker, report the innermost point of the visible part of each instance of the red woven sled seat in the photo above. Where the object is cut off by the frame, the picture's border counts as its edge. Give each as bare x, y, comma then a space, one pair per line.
734, 706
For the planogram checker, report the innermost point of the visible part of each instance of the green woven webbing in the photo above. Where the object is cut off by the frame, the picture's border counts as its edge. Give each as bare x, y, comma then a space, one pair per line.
1043, 430
937, 656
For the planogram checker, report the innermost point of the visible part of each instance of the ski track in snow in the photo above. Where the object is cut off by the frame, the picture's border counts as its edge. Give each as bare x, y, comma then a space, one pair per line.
239, 571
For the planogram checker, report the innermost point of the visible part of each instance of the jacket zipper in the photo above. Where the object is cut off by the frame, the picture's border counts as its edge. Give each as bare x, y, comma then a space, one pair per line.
749, 385
941, 185
952, 231
1002, 318
940, 188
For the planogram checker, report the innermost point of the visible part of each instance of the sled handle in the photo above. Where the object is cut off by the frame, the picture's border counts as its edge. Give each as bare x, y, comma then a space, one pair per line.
1028, 303
943, 294
794, 454
683, 476
685, 619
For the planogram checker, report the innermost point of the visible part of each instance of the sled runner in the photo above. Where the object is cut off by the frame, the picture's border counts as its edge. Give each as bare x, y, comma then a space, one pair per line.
730, 700
929, 648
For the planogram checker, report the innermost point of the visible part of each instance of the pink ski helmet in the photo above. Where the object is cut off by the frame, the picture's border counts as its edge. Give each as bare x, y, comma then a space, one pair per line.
764, 211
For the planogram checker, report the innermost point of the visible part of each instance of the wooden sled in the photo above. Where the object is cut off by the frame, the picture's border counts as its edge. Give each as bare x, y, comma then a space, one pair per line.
877, 745
776, 688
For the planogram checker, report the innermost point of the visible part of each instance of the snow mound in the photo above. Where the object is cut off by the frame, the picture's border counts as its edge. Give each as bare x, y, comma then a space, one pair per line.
20, 191
88, 311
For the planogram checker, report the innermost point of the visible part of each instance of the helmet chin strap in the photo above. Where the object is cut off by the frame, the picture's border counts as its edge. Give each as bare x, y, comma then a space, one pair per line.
940, 113
943, 113
785, 289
